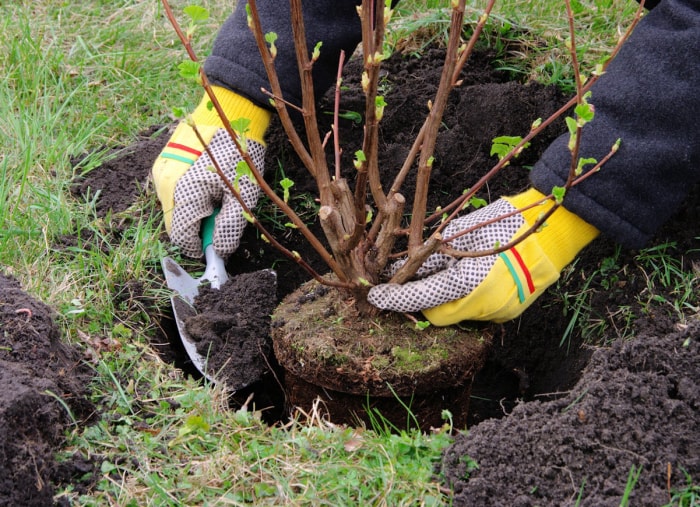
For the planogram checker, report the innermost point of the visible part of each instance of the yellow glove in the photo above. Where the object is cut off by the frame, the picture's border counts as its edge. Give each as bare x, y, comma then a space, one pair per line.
188, 191
498, 287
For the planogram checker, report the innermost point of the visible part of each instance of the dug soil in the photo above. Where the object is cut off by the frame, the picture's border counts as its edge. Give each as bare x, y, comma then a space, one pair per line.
553, 420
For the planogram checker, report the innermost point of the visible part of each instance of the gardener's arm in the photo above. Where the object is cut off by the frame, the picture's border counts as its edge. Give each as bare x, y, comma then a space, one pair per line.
649, 98
187, 189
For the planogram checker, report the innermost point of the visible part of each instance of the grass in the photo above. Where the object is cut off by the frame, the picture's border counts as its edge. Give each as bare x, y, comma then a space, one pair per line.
76, 77
669, 285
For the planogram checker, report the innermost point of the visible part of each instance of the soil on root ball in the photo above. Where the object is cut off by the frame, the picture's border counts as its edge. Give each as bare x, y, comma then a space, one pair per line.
373, 368
534, 361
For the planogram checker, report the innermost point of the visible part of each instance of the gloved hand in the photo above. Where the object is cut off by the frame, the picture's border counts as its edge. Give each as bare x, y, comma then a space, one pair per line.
189, 191
493, 288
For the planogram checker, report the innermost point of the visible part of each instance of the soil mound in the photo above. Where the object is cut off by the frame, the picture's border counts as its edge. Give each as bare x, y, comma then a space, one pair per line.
41, 378
636, 407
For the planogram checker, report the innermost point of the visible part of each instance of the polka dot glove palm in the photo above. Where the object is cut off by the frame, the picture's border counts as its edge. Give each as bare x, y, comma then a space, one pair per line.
495, 287
200, 190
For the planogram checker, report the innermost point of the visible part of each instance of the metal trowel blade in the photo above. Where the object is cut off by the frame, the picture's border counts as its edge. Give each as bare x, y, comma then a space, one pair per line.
186, 288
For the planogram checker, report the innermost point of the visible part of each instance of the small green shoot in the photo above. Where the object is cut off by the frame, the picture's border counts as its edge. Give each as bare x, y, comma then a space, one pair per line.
271, 38
316, 53
360, 159
422, 325
558, 193
286, 184
379, 104
632, 479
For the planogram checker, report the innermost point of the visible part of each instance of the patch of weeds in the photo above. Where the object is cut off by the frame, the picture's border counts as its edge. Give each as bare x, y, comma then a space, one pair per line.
670, 282
609, 281
687, 496
414, 29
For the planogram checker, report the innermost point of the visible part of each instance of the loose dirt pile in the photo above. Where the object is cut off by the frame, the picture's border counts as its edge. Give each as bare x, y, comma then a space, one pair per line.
38, 375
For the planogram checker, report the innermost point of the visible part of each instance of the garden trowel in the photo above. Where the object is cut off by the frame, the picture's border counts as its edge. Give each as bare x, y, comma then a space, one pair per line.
187, 288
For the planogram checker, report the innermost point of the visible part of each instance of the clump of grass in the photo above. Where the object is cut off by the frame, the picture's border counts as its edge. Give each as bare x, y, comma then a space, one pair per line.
670, 285
182, 446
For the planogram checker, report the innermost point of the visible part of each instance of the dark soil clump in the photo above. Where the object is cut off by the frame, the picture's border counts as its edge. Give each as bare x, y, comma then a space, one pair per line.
232, 328
637, 405
36, 371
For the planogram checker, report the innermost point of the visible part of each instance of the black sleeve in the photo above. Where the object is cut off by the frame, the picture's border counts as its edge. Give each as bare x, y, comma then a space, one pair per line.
235, 62
650, 99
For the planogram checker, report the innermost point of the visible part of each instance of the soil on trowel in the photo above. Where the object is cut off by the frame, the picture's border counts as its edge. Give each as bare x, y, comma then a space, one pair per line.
231, 328
538, 431
41, 380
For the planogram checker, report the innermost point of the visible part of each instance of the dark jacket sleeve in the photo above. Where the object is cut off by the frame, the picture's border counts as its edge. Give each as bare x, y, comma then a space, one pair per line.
235, 62
650, 99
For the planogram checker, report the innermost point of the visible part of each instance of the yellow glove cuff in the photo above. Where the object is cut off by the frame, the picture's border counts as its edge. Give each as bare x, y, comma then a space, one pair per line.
182, 150
234, 106
523, 272
563, 235
517, 278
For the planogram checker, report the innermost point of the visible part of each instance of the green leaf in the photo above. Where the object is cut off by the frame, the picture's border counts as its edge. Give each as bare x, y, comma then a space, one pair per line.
189, 70
106, 467
422, 325
243, 169
351, 115
240, 125
192, 424
196, 13
503, 145
582, 162
477, 202
577, 7
584, 112
558, 193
